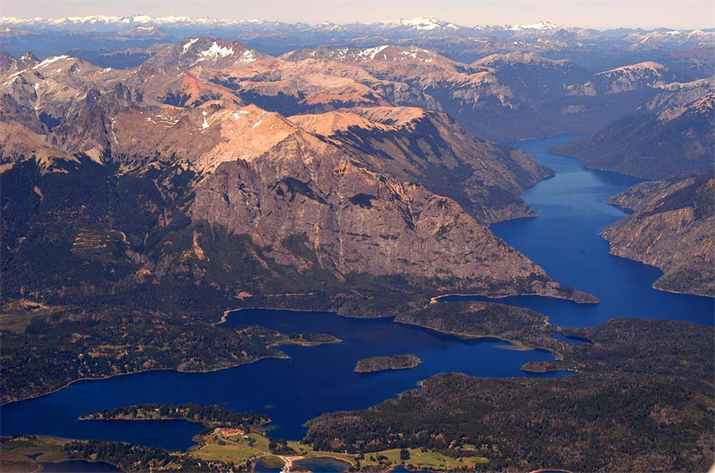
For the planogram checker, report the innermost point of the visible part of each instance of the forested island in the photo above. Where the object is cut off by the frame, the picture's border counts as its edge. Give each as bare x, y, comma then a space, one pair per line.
210, 416
382, 363
306, 339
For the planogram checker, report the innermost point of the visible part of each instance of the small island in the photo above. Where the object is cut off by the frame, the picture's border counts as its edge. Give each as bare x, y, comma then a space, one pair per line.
382, 363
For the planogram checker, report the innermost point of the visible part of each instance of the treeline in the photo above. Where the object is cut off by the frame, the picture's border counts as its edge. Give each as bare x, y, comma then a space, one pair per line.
280, 447
209, 415
137, 458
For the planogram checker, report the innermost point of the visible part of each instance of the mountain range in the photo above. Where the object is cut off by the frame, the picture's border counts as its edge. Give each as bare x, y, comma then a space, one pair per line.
466, 43
171, 175
333, 162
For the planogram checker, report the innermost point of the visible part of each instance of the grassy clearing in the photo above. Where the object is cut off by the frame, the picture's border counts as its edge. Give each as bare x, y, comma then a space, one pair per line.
300, 448
16, 463
50, 449
228, 452
17, 314
272, 461
238, 449
427, 460
233, 448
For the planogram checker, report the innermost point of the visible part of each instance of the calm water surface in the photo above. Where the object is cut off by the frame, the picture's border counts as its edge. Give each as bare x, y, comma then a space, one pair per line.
564, 240
323, 465
313, 381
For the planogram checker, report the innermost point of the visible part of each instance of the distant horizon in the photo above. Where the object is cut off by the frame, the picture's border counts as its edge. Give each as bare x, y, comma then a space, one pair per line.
592, 14
315, 23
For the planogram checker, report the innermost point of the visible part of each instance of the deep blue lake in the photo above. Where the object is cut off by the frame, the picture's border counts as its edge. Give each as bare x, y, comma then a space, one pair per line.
563, 240
314, 380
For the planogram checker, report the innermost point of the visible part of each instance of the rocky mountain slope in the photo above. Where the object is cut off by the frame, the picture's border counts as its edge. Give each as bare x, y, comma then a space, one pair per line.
431, 149
503, 96
678, 140
672, 227
165, 176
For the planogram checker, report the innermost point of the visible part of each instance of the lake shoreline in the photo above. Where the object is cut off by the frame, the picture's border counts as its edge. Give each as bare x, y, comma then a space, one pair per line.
38, 396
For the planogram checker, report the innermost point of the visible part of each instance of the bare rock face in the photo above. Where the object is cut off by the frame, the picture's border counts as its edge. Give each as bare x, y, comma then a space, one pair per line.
672, 228
431, 149
311, 204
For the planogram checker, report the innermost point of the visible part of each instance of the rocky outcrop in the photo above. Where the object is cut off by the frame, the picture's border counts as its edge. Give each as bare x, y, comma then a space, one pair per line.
672, 228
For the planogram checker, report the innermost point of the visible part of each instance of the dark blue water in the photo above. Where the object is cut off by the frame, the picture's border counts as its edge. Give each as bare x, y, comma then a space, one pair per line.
313, 381
575, 341
323, 465
565, 241
262, 467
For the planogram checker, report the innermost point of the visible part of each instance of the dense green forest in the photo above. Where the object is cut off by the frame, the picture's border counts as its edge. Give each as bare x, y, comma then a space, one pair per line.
642, 397
73, 343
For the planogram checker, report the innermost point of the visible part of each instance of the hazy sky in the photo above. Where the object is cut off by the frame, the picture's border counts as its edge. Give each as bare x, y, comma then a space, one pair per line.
587, 13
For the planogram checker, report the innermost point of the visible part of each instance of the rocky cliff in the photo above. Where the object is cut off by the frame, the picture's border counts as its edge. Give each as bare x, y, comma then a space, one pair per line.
672, 228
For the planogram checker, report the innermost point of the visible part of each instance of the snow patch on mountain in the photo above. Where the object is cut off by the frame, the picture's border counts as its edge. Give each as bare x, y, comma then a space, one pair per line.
247, 57
50, 60
216, 51
188, 44
371, 52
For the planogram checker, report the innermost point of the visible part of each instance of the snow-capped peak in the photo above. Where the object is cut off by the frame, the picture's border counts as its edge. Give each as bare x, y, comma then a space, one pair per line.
423, 24
50, 60
542, 25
